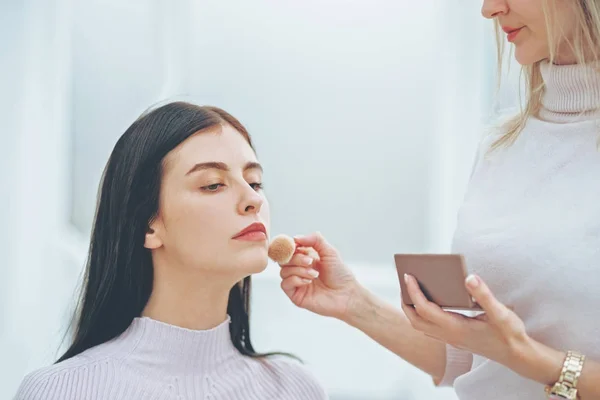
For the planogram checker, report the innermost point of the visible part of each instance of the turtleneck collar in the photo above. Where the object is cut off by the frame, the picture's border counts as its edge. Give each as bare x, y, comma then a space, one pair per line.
572, 92
177, 349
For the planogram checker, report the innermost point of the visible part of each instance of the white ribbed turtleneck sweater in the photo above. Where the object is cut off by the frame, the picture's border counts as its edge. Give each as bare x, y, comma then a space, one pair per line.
530, 227
152, 360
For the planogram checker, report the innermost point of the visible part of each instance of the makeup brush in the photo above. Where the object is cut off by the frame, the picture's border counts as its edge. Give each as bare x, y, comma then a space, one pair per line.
282, 249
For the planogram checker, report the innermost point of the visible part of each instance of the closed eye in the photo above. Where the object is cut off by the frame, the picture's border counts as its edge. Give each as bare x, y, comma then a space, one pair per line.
216, 186
212, 188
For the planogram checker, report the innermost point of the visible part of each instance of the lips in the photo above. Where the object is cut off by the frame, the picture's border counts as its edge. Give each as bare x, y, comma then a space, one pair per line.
511, 32
255, 228
508, 29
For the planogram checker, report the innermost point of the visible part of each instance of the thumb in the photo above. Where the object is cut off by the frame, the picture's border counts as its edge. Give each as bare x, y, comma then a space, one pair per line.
317, 242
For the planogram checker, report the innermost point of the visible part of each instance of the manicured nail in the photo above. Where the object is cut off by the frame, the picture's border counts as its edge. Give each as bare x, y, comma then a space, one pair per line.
472, 281
307, 260
314, 273
306, 280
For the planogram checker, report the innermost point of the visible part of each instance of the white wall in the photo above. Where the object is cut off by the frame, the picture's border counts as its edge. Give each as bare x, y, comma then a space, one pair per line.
36, 282
400, 83
11, 20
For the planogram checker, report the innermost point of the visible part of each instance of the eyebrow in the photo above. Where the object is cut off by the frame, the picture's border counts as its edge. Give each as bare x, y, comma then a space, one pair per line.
222, 166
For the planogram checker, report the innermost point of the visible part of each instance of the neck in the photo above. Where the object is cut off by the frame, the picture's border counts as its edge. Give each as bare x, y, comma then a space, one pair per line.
567, 56
188, 298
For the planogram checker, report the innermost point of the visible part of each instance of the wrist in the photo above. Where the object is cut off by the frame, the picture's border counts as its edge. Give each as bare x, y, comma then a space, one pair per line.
566, 386
360, 302
540, 363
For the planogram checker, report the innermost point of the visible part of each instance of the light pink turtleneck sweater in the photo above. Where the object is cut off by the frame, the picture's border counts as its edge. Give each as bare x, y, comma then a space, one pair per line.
530, 227
152, 360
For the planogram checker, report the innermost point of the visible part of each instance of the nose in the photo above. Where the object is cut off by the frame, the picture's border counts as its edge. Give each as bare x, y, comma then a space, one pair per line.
251, 201
494, 8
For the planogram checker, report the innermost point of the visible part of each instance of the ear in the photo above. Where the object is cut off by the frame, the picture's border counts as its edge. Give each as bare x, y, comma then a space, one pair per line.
153, 240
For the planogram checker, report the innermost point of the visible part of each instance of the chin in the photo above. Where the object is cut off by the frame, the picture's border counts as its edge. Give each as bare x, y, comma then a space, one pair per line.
525, 56
252, 261
257, 267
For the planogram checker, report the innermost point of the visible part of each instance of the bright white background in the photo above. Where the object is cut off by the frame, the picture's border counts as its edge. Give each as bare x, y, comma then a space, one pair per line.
365, 115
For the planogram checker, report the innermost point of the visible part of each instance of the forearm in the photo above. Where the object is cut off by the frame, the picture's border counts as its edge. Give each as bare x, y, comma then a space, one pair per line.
389, 327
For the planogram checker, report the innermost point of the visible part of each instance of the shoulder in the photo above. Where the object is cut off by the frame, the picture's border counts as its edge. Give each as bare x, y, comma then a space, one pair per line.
53, 382
494, 130
294, 374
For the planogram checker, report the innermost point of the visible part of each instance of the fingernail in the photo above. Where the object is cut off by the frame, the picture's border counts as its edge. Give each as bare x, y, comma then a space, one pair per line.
306, 280
307, 260
406, 278
314, 273
472, 281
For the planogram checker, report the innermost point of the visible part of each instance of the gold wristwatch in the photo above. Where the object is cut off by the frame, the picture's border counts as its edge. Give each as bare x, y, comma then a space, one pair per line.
566, 387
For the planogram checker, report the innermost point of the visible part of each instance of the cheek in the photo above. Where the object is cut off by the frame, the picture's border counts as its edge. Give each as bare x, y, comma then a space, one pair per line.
567, 20
194, 224
562, 26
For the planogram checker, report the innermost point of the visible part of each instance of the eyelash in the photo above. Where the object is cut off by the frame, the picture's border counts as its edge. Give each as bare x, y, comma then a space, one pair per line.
255, 185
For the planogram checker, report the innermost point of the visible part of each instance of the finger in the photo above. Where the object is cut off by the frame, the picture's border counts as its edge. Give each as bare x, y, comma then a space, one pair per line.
306, 273
497, 313
495, 310
308, 251
423, 307
290, 284
317, 242
484, 317
299, 259
417, 322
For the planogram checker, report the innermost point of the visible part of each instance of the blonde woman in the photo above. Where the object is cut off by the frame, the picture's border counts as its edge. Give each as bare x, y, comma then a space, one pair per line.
529, 229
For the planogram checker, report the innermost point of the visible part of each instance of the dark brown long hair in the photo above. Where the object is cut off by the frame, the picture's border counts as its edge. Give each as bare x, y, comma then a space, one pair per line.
119, 273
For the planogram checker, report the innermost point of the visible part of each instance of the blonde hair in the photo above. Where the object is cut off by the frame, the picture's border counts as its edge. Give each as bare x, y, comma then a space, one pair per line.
584, 44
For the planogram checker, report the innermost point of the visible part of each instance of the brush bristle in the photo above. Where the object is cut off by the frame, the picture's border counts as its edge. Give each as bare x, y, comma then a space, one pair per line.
282, 249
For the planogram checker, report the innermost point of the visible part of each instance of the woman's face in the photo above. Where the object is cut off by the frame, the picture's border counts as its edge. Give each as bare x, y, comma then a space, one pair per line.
525, 26
211, 191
